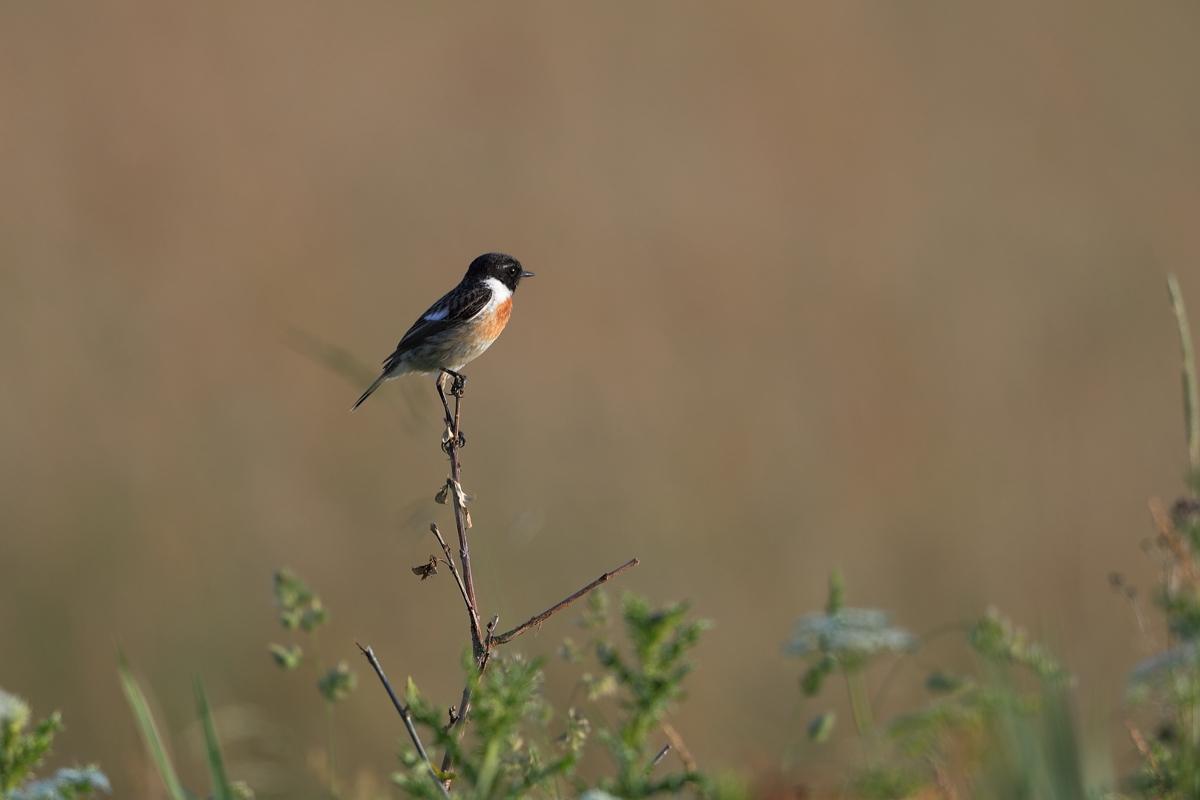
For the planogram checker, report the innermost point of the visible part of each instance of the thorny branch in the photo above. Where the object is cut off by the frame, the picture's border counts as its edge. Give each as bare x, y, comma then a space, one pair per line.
482, 641
507, 637
471, 610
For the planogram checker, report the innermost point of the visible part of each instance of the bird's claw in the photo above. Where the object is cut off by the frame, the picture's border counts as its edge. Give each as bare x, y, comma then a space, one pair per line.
448, 439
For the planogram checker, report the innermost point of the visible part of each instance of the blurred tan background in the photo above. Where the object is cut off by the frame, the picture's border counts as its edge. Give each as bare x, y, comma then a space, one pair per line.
877, 286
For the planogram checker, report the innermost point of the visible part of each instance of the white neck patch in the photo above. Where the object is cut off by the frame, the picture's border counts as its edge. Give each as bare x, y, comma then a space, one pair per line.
500, 292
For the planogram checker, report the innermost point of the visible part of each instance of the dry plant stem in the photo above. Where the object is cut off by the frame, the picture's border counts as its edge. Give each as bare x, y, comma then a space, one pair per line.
404, 715
471, 610
467, 585
482, 643
685, 755
505, 638
460, 516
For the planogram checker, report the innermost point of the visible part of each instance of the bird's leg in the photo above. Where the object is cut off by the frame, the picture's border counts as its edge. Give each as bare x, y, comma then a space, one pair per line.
456, 389
440, 383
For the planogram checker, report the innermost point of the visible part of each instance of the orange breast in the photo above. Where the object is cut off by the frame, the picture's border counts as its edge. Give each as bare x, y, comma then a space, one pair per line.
498, 319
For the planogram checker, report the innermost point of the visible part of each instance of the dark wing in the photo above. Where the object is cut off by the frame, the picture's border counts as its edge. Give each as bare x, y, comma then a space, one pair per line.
457, 307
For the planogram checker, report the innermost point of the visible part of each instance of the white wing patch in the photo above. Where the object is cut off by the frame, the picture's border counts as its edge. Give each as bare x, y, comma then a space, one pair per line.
437, 314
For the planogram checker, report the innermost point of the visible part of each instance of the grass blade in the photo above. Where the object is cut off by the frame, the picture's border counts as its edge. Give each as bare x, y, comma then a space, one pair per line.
1191, 403
216, 764
149, 731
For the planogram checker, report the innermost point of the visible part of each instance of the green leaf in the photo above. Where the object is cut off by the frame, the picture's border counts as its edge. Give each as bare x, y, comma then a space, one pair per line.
411, 695
149, 731
212, 747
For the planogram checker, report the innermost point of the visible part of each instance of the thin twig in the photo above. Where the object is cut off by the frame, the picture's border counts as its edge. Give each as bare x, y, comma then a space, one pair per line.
505, 638
453, 441
685, 755
482, 643
452, 446
404, 715
464, 708
458, 579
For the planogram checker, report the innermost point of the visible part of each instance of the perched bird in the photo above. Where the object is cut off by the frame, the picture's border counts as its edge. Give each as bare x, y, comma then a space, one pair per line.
459, 327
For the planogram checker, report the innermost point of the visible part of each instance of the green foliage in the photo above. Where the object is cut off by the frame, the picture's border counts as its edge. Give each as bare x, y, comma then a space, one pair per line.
888, 783
727, 786
821, 728
993, 736
1169, 681
516, 746
844, 639
988, 735
223, 789
501, 759
212, 748
287, 657
1191, 400
21, 752
67, 784
300, 608
149, 731
650, 682
995, 638
595, 613
337, 682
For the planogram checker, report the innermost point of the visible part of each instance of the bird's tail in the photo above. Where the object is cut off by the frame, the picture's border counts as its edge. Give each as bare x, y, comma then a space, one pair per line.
371, 389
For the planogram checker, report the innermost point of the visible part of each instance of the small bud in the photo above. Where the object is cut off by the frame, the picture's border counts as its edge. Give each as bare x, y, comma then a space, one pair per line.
411, 695
337, 683
314, 616
821, 727
287, 657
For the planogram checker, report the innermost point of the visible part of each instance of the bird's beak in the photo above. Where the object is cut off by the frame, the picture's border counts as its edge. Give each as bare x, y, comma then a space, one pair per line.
526, 274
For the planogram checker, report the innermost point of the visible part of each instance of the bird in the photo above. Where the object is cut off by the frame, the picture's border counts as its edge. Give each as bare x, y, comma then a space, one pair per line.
457, 328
